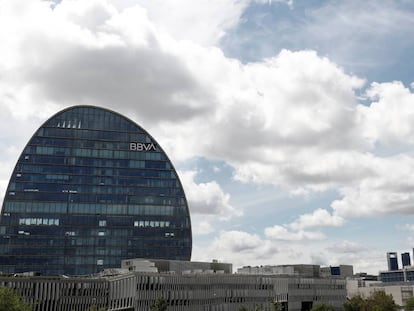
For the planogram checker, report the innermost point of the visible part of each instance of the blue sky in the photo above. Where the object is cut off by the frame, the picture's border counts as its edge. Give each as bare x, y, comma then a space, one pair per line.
291, 122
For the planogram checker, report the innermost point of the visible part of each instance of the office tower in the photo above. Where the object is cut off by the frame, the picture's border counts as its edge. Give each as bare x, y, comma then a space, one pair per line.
91, 188
405, 259
392, 259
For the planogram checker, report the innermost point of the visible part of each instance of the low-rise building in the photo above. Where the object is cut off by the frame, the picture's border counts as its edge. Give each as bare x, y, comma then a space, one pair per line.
400, 291
176, 266
405, 274
340, 271
121, 289
291, 270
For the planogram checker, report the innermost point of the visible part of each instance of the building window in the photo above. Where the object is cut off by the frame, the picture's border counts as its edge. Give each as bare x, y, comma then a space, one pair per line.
100, 262
102, 223
39, 221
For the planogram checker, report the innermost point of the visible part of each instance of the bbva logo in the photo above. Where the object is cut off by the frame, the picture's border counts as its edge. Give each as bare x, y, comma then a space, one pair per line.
136, 146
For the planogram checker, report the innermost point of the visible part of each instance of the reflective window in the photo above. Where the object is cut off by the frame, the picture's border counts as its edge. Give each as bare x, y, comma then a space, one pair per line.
80, 191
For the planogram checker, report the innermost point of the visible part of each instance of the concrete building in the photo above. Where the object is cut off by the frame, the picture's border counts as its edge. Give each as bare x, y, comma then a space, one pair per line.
343, 271
312, 271
302, 270
400, 291
125, 290
176, 266
402, 275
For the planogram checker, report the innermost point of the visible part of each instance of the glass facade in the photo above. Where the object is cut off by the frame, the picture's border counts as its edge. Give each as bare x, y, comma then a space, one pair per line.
405, 259
392, 260
91, 188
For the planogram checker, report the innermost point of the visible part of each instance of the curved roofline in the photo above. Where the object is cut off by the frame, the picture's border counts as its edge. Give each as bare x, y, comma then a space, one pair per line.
122, 116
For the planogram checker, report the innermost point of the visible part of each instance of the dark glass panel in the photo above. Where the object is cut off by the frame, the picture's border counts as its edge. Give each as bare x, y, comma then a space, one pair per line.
76, 170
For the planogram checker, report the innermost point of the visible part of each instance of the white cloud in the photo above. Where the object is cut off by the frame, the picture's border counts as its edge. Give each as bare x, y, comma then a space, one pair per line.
201, 225
207, 198
389, 118
408, 227
243, 248
295, 231
238, 241
239, 248
282, 233
346, 247
389, 191
292, 120
204, 22
319, 218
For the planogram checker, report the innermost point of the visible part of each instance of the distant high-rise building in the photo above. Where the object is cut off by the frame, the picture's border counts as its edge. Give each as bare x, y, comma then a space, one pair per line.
405, 259
392, 259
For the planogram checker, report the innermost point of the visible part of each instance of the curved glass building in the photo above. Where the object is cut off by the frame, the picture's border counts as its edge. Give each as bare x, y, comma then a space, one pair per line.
91, 188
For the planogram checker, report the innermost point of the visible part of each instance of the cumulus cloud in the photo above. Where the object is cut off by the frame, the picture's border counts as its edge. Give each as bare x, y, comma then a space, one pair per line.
207, 198
240, 246
201, 226
238, 241
346, 247
319, 218
205, 23
408, 227
389, 118
389, 191
282, 233
295, 231
292, 120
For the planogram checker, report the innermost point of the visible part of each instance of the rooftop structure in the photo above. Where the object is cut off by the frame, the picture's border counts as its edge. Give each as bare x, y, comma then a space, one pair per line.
340, 271
290, 270
402, 275
176, 266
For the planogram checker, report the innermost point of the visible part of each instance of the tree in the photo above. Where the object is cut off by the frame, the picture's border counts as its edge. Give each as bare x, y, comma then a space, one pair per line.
356, 303
322, 307
378, 301
159, 305
409, 304
11, 301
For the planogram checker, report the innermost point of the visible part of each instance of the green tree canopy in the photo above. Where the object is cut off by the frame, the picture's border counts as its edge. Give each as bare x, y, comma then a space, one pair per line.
322, 307
378, 301
409, 304
356, 303
159, 305
11, 301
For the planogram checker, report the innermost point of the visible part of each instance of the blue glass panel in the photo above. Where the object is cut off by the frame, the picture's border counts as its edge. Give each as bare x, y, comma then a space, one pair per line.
77, 169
